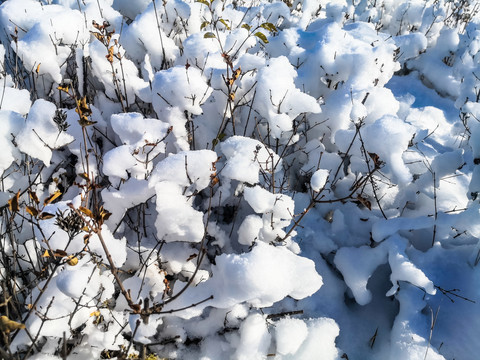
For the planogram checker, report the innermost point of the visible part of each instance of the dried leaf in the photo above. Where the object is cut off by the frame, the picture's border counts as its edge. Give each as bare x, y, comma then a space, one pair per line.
32, 211
63, 88
99, 36
46, 254
72, 260
33, 196
45, 216
204, 2
52, 197
376, 159
7, 325
59, 253
231, 96
82, 107
37, 70
95, 313
86, 211
246, 26
364, 202
204, 25
85, 121
237, 73
14, 202
193, 256
84, 176
109, 56
209, 35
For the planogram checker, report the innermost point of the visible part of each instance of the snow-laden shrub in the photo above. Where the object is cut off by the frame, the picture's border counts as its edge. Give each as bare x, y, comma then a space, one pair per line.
239, 179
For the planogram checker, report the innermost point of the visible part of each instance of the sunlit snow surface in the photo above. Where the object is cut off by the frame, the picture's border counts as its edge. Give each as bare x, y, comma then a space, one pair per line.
304, 175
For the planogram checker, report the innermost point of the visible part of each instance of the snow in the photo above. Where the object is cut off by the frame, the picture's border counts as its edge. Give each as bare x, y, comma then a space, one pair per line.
246, 158
319, 179
254, 338
241, 179
40, 135
289, 335
259, 277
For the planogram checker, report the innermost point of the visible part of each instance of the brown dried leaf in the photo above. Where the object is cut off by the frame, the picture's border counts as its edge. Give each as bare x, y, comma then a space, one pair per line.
45, 216
14, 202
59, 253
32, 211
364, 202
33, 196
193, 256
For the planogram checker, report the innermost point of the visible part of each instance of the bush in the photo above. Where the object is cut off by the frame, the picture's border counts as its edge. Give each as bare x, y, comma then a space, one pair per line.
238, 179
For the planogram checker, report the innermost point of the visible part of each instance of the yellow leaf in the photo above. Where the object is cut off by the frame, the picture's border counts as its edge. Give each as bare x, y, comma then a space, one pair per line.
84, 176
46, 254
204, 25
82, 107
72, 260
95, 313
98, 36
237, 73
52, 197
7, 325
269, 26
225, 23
13, 203
261, 36
38, 68
209, 35
86, 211
246, 26
63, 88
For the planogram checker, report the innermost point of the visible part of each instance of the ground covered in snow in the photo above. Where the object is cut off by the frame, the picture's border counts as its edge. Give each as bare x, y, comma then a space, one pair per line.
240, 179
